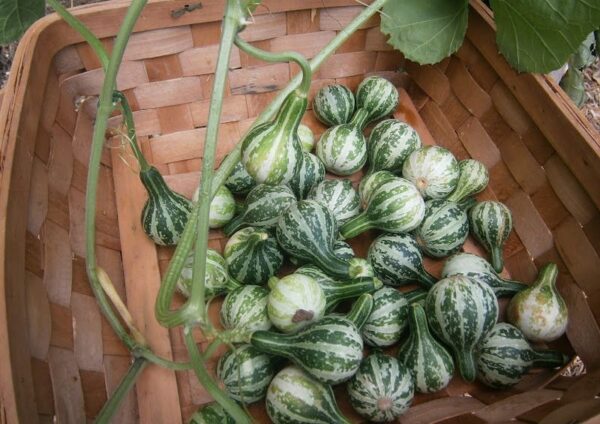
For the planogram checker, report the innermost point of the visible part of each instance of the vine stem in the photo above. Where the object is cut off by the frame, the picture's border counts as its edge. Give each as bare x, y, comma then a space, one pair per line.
131, 133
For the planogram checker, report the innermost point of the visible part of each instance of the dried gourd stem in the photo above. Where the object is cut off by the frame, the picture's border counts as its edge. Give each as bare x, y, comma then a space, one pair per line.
120, 98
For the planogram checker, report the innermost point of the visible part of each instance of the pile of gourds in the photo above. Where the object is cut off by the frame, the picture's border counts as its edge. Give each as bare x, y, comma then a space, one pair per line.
421, 200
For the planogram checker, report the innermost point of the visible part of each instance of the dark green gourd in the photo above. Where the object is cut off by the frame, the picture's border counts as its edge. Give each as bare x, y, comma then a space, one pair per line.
334, 105
390, 143
388, 319
217, 279
211, 414
377, 96
239, 181
473, 178
310, 174
491, 224
339, 196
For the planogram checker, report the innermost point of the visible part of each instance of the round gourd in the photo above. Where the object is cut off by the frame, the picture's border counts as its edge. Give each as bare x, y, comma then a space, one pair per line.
306, 137
245, 310
340, 198
370, 182
382, 388
239, 181
473, 178
461, 311
390, 143
311, 173
491, 223
217, 280
334, 105
252, 256
222, 207
343, 149
434, 170
212, 413
388, 319
377, 96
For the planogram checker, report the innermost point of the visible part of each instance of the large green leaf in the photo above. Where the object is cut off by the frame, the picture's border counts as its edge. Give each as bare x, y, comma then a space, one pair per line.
540, 35
425, 31
16, 16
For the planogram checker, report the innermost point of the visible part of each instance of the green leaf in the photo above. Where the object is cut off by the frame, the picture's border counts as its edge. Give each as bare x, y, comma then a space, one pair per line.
572, 83
16, 16
540, 35
425, 31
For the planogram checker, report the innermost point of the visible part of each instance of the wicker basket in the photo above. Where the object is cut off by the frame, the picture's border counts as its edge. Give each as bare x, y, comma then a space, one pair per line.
58, 356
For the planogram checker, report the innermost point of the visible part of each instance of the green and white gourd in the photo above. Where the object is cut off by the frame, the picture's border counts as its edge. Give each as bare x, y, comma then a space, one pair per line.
217, 280
246, 373
539, 311
382, 388
360, 310
370, 182
222, 207
491, 224
395, 207
264, 204
388, 319
245, 311
166, 212
239, 181
473, 178
340, 198
334, 105
445, 227
479, 269
294, 397
504, 356
377, 96
341, 249
211, 414
310, 174
434, 170
330, 350
295, 301
428, 361
390, 143
461, 311
306, 137
252, 256
397, 261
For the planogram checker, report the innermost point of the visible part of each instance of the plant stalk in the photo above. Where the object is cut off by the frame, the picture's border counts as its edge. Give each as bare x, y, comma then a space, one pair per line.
118, 96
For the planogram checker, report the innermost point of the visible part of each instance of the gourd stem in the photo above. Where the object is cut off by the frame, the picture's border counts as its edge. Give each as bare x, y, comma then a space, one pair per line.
131, 134
547, 275
356, 226
497, 260
466, 203
417, 320
353, 288
466, 365
335, 266
549, 358
416, 295
361, 309
234, 225
360, 118
426, 279
509, 287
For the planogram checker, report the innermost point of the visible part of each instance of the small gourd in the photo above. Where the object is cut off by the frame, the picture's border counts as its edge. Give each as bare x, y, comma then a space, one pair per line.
252, 256
377, 96
239, 181
428, 361
340, 198
539, 311
212, 413
334, 105
245, 311
222, 207
461, 311
382, 388
341, 249
388, 319
310, 174
370, 182
434, 170
491, 224
390, 143
217, 280
473, 178
307, 138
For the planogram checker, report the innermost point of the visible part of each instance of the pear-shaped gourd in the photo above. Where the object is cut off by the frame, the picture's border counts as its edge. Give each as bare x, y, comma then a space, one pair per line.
271, 152
244, 310
306, 137
341, 249
217, 280
295, 397
166, 212
504, 356
222, 207
461, 311
473, 178
370, 182
377, 96
382, 388
444, 228
390, 143
479, 269
539, 311
397, 261
211, 414
360, 310
434, 170
295, 301
334, 105
340, 198
395, 206
262, 208
252, 256
330, 350
311, 173
491, 223
388, 319
428, 361
239, 181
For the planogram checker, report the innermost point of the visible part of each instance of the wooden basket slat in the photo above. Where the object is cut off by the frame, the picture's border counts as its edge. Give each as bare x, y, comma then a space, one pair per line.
39, 324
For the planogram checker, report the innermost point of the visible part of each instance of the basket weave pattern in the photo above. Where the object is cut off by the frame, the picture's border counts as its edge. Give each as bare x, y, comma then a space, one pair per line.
68, 358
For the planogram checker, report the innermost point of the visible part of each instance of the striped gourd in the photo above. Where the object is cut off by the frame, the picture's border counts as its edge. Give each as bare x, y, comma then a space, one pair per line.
382, 389
417, 295
295, 301
388, 318
222, 207
397, 261
245, 311
310, 174
264, 204
428, 361
473, 178
434, 170
395, 206
334, 105
166, 212
341, 249
390, 143
461, 311
444, 228
491, 224
294, 397
539, 311
370, 182
377, 96
339, 196
246, 373
504, 356
479, 269
360, 310
330, 349
239, 181
271, 152
308, 231
306, 137
252, 256
217, 280
211, 414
